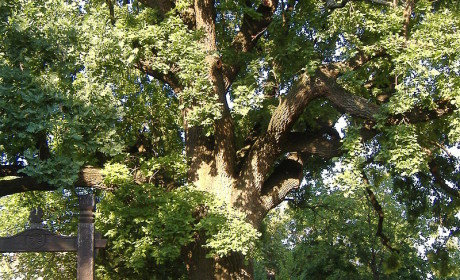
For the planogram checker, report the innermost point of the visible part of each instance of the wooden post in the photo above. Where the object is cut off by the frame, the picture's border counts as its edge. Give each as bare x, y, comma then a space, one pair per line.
85, 239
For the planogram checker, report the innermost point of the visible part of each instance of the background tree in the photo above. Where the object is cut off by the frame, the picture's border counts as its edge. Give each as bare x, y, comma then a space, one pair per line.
329, 233
237, 98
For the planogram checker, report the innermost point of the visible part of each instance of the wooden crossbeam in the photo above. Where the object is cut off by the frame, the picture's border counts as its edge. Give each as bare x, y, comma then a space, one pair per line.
41, 240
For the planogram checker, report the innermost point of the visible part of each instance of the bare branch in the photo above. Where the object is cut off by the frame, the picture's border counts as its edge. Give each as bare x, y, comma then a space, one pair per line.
286, 177
318, 144
373, 200
168, 78
345, 101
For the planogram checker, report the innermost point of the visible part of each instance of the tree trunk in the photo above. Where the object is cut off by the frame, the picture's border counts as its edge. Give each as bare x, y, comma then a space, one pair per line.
199, 267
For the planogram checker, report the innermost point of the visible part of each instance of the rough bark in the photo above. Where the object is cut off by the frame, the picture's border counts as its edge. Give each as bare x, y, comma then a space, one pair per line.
201, 267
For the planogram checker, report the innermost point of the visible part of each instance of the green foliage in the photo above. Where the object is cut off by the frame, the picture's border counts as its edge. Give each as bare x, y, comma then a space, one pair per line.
330, 234
227, 230
391, 263
170, 43
48, 91
403, 151
441, 262
147, 227
117, 175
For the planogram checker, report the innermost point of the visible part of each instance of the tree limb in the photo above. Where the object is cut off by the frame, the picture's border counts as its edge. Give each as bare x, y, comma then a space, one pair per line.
224, 148
317, 144
10, 170
373, 200
332, 4
381, 2
165, 6
111, 11
407, 14
42, 145
169, 78
267, 148
286, 176
343, 100
291, 106
22, 184
89, 177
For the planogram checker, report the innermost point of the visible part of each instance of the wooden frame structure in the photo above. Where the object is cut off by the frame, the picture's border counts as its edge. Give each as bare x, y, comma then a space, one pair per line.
37, 239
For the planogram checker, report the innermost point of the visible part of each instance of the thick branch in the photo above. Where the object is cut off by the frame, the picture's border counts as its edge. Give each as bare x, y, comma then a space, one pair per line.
407, 14
307, 88
205, 16
224, 148
111, 11
345, 101
381, 2
286, 177
293, 104
267, 149
165, 6
22, 184
42, 145
332, 4
317, 145
10, 170
88, 177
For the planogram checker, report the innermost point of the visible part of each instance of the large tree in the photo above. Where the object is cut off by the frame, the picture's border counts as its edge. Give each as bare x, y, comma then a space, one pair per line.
238, 98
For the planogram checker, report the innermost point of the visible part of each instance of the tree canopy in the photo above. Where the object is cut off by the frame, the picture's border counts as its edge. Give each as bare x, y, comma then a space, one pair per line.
192, 120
